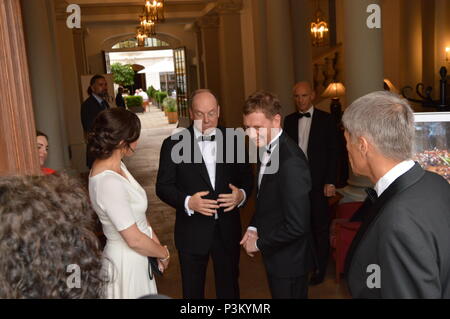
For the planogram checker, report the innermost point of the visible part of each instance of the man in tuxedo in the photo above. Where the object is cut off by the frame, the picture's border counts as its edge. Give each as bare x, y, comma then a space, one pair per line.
206, 186
280, 227
402, 249
94, 104
316, 134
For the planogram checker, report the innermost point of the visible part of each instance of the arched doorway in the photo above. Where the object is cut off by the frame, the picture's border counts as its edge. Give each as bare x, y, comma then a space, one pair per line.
164, 66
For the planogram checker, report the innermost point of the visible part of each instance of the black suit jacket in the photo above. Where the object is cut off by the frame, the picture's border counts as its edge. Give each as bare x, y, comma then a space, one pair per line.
89, 111
282, 215
175, 181
407, 234
322, 147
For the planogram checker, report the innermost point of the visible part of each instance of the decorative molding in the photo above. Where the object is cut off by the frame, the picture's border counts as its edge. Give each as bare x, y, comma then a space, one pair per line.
229, 6
18, 153
209, 21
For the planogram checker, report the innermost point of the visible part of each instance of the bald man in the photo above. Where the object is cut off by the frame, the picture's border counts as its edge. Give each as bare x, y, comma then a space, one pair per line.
315, 133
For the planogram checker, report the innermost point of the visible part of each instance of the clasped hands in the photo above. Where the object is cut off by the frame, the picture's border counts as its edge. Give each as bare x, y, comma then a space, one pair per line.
248, 242
209, 207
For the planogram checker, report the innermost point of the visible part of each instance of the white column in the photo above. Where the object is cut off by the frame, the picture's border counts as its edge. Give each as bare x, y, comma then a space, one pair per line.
363, 71
231, 64
280, 52
363, 51
301, 12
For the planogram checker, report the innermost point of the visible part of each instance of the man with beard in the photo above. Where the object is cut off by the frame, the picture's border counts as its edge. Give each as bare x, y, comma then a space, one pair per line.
94, 104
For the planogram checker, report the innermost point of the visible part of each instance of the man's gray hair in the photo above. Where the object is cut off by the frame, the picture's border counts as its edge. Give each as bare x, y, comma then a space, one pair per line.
386, 119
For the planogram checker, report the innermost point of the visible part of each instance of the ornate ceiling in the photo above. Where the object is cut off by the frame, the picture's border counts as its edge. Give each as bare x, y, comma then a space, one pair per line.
123, 11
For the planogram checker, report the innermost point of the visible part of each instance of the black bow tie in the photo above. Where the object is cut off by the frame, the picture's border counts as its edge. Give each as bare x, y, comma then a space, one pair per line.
204, 138
301, 115
372, 194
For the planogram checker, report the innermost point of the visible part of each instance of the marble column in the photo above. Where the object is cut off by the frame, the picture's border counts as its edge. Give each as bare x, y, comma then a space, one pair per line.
280, 52
209, 26
39, 21
363, 51
231, 63
70, 88
301, 12
363, 71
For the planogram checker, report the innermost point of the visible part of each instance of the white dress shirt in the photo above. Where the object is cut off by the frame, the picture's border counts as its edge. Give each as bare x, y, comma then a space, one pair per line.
208, 150
390, 177
304, 128
266, 158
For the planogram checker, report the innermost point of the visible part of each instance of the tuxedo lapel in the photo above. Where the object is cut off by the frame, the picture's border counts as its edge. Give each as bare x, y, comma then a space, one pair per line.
314, 131
400, 184
197, 159
275, 154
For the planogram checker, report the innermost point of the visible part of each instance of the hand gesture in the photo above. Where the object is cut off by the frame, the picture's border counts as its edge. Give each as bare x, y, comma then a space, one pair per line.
249, 242
230, 201
205, 207
329, 190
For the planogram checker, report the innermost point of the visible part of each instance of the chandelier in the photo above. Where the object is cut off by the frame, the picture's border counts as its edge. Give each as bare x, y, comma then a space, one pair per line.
319, 28
153, 12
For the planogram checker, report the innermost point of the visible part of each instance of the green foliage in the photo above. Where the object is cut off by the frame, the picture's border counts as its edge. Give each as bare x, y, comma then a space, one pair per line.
123, 74
160, 96
134, 100
151, 92
170, 104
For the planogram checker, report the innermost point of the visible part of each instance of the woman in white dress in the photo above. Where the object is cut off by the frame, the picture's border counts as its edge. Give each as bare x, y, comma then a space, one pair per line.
121, 203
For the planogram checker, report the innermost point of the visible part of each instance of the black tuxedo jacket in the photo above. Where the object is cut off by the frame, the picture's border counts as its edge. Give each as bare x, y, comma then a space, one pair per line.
407, 234
322, 147
175, 181
89, 111
282, 216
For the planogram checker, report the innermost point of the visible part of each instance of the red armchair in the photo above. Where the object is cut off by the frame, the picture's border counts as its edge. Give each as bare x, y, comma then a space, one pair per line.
342, 234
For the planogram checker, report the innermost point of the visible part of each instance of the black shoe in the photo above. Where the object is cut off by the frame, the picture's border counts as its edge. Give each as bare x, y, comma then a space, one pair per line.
316, 280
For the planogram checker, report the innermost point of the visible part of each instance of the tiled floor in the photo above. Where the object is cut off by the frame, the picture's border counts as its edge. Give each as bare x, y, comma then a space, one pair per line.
144, 166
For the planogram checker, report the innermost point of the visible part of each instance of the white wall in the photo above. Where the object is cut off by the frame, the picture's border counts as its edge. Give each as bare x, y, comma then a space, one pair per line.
154, 62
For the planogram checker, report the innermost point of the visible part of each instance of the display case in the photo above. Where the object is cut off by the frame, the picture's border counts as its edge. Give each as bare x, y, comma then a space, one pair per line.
432, 142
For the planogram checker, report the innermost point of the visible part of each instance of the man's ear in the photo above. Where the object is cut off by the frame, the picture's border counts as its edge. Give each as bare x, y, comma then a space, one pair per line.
363, 145
277, 121
218, 110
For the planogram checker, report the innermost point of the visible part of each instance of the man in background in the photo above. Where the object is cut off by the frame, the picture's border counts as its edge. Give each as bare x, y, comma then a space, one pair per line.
94, 104
316, 134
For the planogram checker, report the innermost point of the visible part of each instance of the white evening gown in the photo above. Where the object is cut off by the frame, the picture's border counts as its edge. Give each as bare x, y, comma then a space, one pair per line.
120, 203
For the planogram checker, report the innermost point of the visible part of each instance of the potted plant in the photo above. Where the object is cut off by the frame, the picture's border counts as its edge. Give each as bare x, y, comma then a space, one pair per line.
170, 106
151, 93
135, 103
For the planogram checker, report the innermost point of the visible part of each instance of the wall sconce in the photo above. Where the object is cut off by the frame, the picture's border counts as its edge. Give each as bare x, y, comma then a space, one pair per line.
447, 54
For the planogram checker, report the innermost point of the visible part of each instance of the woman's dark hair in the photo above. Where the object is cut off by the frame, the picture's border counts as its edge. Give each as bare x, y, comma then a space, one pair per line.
39, 133
46, 233
111, 127
92, 82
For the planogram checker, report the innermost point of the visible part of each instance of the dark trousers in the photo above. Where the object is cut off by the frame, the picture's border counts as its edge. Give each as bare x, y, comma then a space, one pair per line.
320, 225
226, 270
288, 288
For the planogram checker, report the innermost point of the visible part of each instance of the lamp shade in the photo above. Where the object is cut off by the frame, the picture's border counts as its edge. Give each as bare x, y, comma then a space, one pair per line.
334, 90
